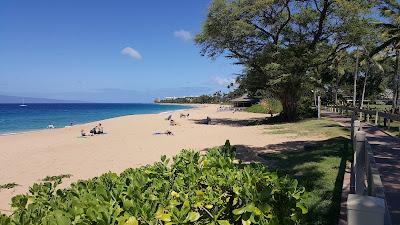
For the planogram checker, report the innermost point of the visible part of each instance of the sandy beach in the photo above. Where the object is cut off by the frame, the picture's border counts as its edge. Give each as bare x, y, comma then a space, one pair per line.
129, 141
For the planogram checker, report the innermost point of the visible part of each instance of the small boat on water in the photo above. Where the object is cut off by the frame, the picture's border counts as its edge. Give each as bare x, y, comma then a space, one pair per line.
23, 103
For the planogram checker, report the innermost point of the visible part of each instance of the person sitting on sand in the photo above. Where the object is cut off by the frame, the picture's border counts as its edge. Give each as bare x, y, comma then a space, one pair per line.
172, 123
94, 130
100, 129
83, 133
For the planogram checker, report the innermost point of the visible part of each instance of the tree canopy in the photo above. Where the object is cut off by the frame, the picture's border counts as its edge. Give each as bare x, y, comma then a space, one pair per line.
284, 45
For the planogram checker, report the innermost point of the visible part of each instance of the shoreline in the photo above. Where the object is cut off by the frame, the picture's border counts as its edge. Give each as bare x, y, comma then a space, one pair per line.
11, 133
130, 141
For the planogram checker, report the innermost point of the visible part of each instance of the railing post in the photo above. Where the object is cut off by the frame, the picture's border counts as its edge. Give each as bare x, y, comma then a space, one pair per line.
376, 118
359, 162
365, 210
355, 126
319, 107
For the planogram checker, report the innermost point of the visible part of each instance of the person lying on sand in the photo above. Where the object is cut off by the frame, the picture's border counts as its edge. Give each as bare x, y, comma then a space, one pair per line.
208, 120
169, 117
184, 115
167, 132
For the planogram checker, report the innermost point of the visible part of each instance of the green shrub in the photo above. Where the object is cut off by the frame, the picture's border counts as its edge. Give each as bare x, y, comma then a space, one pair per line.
192, 189
266, 106
257, 108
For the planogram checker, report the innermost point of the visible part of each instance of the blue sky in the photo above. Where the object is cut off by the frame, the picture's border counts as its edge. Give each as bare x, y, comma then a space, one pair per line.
106, 51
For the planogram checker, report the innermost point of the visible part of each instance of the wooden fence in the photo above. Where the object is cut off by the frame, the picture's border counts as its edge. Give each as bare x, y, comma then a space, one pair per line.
366, 205
370, 116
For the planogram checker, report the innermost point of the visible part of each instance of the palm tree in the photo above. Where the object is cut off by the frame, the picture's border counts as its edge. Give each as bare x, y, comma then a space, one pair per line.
390, 10
339, 69
357, 53
368, 62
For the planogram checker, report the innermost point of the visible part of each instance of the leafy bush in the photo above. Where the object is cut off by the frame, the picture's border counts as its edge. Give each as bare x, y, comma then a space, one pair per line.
192, 189
266, 106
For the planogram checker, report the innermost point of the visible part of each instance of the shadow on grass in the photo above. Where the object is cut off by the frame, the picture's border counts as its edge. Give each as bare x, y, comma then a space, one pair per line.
319, 166
232, 122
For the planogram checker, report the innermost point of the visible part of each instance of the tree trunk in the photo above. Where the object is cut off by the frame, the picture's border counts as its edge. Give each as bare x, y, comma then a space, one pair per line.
290, 112
396, 72
365, 84
336, 88
290, 99
355, 81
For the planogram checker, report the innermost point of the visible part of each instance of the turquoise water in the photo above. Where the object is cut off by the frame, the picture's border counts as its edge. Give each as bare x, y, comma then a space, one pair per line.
14, 118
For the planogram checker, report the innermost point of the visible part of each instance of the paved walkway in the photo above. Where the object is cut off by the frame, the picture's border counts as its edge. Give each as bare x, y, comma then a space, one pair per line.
387, 156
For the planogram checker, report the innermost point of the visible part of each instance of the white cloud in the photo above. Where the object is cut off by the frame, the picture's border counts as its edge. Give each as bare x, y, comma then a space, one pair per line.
223, 81
183, 34
131, 52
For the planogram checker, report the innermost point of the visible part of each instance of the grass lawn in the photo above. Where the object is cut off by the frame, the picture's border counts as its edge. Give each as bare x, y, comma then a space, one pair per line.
393, 129
309, 127
266, 106
379, 107
318, 165
257, 108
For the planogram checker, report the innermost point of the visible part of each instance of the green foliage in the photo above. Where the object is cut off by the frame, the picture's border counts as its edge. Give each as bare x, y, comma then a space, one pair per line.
257, 108
190, 189
309, 128
217, 97
8, 185
266, 106
320, 168
284, 45
56, 178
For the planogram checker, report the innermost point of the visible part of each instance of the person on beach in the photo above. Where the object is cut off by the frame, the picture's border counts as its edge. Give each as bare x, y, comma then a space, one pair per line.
100, 129
172, 123
94, 130
184, 115
167, 132
208, 120
83, 133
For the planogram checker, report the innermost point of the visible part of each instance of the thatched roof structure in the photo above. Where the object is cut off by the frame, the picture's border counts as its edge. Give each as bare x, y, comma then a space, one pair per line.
244, 100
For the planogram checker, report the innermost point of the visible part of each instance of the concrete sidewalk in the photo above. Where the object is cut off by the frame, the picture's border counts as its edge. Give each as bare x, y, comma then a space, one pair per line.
387, 157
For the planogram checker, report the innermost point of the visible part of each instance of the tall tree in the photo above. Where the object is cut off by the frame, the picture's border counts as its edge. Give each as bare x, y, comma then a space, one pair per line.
282, 43
355, 77
390, 11
369, 63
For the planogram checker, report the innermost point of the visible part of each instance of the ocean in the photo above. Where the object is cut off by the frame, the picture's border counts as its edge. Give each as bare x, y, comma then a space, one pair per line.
14, 118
